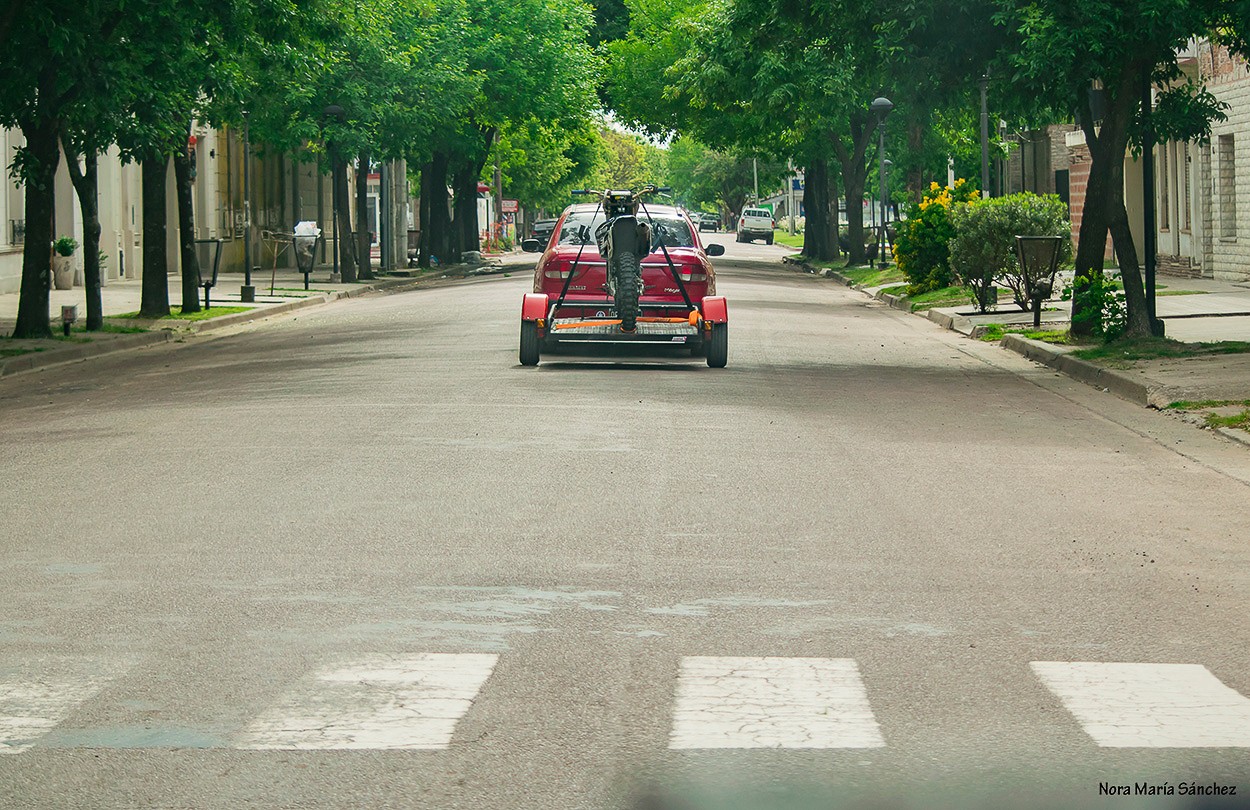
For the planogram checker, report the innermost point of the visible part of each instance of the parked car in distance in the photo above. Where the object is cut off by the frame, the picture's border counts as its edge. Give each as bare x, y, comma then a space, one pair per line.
756, 223
542, 230
709, 222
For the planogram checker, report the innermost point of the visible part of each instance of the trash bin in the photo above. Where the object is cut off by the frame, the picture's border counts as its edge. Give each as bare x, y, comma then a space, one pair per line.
307, 234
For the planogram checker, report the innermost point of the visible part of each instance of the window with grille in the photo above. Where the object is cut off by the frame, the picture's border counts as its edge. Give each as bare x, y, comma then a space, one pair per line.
1186, 197
1164, 206
1227, 191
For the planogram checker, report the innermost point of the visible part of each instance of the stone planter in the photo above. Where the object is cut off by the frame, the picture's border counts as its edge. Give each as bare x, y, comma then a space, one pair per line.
62, 272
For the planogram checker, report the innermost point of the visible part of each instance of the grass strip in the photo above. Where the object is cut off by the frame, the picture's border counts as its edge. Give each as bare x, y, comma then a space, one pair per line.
1159, 348
202, 315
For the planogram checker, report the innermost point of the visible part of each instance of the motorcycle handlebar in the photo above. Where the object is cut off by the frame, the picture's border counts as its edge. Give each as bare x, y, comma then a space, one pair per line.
648, 189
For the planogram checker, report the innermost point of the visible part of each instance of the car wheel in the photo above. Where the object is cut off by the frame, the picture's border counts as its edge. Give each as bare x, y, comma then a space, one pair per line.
768, 240
529, 343
718, 346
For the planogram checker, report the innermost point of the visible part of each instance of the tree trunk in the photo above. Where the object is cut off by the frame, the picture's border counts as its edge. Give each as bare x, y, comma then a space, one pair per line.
423, 216
1091, 244
436, 237
855, 177
464, 183
1104, 210
916, 129
363, 223
820, 232
155, 290
86, 183
1137, 324
186, 232
343, 205
854, 163
1138, 321
32, 307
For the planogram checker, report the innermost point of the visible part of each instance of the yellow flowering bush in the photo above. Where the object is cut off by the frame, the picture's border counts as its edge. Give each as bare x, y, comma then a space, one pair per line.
922, 242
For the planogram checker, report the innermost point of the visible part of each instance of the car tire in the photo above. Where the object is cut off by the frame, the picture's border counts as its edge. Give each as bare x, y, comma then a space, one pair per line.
768, 240
718, 346
529, 343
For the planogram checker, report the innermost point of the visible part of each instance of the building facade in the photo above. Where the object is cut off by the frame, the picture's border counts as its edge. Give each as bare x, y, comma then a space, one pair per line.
285, 189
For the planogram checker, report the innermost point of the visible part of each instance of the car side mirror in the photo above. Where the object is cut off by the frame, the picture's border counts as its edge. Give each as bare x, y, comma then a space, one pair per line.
531, 246
715, 250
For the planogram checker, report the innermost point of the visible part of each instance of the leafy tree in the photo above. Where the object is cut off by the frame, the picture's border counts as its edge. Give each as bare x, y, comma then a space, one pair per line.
628, 161
1060, 51
542, 164
534, 63
47, 61
714, 180
359, 80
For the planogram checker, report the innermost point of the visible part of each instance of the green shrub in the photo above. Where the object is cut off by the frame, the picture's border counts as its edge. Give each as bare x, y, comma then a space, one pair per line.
1106, 310
65, 246
921, 245
983, 248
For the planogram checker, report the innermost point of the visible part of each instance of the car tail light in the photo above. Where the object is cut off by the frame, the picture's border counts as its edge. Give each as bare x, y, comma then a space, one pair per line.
774, 224
556, 273
687, 275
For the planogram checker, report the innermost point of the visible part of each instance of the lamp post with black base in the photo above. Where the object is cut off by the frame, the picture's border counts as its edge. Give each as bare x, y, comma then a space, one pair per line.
881, 107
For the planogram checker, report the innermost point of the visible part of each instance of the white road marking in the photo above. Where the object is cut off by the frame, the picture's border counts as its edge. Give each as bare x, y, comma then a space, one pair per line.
726, 702
1150, 705
413, 702
30, 708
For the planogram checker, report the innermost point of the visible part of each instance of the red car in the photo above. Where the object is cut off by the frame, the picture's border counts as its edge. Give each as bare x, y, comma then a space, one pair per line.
679, 304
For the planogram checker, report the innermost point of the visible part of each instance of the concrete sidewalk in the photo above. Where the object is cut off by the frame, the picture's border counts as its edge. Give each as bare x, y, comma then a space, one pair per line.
278, 291
1193, 311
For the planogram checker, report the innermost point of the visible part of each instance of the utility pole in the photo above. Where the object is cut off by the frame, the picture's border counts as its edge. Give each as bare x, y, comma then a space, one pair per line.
985, 137
1150, 248
755, 174
384, 213
498, 200
793, 179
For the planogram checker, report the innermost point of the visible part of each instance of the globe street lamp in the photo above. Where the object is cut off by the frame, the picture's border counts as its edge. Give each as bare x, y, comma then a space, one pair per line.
881, 107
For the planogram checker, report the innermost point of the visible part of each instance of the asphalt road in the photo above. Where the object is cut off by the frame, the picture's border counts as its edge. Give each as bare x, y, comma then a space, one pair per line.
362, 558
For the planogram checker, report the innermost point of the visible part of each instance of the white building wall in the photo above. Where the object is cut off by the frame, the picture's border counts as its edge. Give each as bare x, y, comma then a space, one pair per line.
1226, 174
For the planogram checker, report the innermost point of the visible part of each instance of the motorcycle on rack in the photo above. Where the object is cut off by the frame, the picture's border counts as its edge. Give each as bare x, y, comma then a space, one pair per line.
623, 241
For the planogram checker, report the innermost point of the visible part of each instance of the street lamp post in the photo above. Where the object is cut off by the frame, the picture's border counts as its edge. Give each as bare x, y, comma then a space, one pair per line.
248, 292
881, 107
336, 112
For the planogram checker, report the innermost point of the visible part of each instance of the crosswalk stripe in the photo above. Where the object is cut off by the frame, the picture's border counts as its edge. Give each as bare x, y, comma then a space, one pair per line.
412, 702
1124, 705
31, 708
737, 702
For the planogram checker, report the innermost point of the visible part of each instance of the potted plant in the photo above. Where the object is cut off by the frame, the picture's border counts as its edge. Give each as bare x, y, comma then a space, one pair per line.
63, 262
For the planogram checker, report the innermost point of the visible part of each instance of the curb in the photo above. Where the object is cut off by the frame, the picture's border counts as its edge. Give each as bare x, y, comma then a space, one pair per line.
69, 354
1084, 371
74, 353
1236, 435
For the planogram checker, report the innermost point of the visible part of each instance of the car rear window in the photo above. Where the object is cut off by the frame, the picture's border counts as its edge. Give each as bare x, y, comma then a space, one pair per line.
580, 228
755, 212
